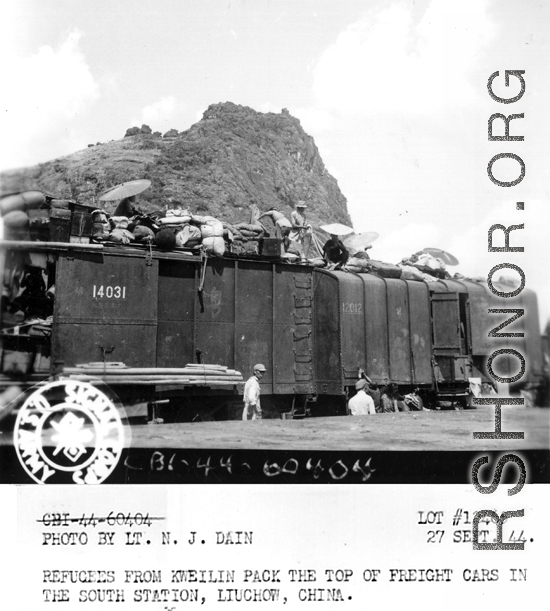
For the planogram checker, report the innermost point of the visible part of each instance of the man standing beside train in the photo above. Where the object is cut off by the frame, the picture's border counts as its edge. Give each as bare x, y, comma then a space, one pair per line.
361, 404
251, 395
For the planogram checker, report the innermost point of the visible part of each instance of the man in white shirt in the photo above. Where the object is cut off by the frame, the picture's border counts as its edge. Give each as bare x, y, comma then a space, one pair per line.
301, 230
361, 404
251, 396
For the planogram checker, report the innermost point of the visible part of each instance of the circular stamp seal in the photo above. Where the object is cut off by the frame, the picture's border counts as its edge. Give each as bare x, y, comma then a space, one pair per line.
68, 432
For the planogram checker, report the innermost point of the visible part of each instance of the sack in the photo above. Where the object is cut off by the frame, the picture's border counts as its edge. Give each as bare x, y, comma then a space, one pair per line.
122, 236
355, 268
256, 229
428, 277
247, 234
385, 270
201, 220
16, 218
357, 262
174, 221
185, 215
188, 235
427, 262
165, 239
143, 234
212, 229
28, 200
318, 262
409, 272
215, 246
120, 222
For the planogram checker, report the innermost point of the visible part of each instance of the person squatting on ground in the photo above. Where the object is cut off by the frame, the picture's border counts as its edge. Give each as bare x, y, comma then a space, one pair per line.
392, 401
251, 396
361, 404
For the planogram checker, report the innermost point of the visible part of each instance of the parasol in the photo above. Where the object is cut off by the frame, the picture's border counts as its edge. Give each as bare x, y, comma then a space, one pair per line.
445, 256
360, 241
337, 229
125, 189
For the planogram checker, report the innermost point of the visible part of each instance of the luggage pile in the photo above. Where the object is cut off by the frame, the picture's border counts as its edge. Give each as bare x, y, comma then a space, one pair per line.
245, 238
35, 216
32, 215
366, 266
421, 267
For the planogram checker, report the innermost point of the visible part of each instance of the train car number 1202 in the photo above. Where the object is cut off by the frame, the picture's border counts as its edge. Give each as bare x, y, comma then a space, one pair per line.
352, 308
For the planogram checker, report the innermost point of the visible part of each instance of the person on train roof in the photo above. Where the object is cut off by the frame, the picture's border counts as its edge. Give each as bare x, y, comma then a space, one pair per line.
335, 253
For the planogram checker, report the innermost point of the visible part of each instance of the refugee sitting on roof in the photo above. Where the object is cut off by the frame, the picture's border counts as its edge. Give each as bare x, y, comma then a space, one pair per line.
126, 207
335, 252
392, 401
361, 404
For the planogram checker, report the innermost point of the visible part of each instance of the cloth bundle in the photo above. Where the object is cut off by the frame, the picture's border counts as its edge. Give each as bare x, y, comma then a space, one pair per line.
425, 263
410, 272
120, 235
250, 231
100, 224
357, 265
189, 236
120, 222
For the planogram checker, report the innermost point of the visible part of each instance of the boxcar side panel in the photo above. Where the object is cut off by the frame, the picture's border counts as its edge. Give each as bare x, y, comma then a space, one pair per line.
376, 328
326, 335
483, 322
420, 332
292, 330
105, 303
398, 331
352, 315
176, 306
253, 319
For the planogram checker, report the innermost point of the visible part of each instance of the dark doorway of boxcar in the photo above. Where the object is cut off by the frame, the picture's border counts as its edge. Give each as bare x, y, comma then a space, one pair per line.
451, 335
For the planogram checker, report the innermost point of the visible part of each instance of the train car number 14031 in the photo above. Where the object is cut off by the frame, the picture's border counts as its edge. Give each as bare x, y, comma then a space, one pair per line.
107, 291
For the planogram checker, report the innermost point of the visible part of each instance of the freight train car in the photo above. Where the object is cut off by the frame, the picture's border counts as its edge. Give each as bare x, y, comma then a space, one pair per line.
157, 312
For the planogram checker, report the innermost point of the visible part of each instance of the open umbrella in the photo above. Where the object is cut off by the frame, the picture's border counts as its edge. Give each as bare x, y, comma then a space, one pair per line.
337, 229
125, 189
359, 241
445, 256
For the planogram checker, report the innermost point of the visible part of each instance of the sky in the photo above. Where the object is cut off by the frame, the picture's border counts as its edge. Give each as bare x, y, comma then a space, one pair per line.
393, 92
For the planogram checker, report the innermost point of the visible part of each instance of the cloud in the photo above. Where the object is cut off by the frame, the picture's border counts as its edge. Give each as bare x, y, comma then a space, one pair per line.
42, 95
390, 60
471, 248
159, 114
315, 120
402, 242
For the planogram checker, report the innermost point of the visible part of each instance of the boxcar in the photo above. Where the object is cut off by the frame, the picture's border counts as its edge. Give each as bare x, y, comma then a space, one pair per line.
313, 329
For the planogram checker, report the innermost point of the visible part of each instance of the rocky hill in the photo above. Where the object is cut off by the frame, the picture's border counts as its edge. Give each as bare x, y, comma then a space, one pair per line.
232, 158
